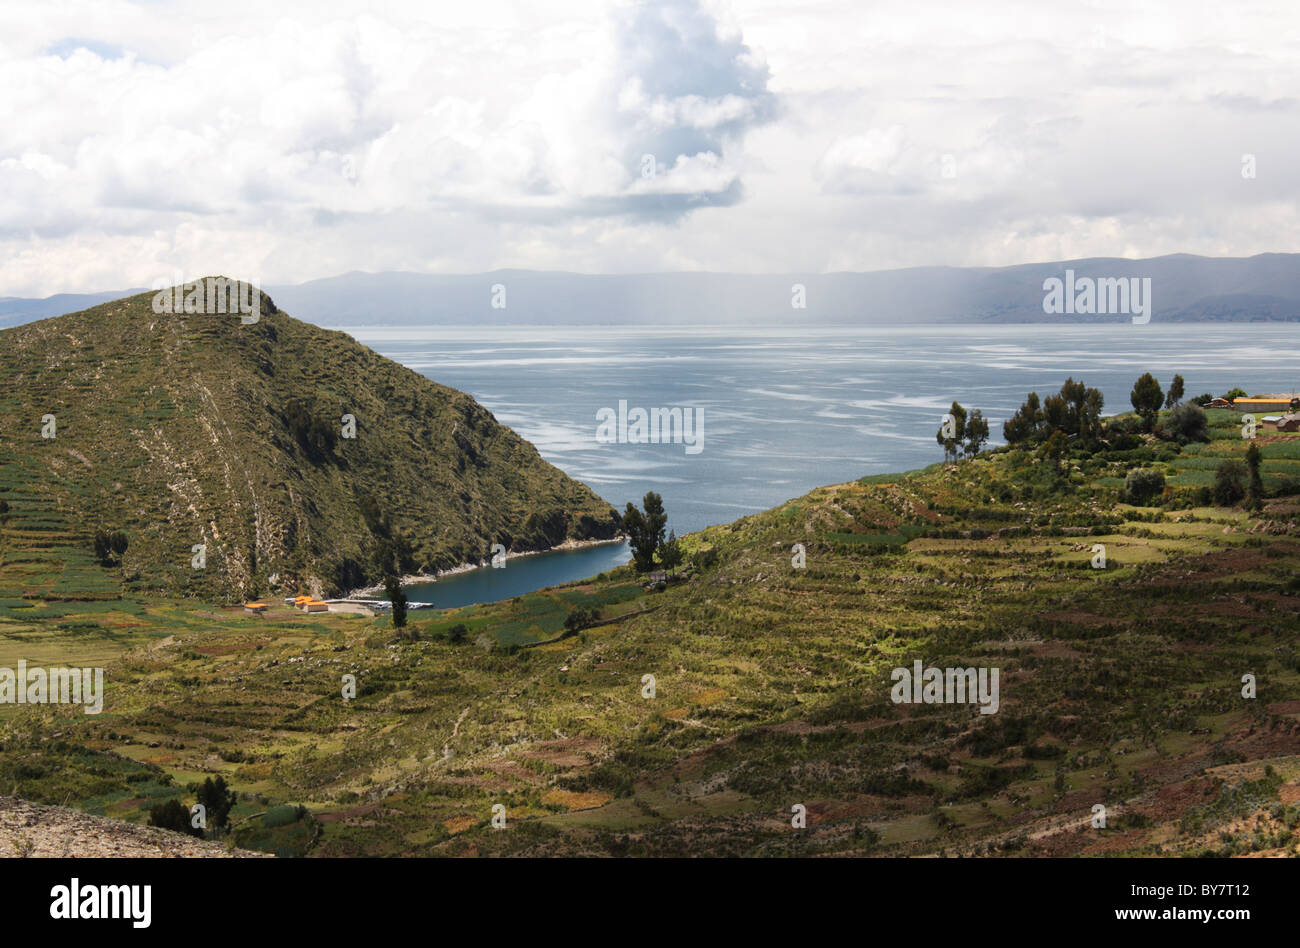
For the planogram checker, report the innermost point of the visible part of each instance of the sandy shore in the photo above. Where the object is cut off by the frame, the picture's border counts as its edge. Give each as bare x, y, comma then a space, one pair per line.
416, 578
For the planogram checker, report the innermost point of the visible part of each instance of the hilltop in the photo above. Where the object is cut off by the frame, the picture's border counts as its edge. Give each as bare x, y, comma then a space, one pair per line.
1120, 685
185, 430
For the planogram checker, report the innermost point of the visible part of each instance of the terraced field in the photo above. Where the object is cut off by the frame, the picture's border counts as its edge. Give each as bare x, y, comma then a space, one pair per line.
1120, 687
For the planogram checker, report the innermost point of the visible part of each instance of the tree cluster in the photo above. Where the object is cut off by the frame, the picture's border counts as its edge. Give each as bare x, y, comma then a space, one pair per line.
109, 547
1075, 412
967, 433
646, 533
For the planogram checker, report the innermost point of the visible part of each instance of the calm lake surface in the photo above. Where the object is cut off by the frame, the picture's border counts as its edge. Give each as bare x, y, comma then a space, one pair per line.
787, 410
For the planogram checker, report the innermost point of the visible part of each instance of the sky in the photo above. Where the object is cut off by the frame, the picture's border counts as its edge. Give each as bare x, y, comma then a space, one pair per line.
281, 142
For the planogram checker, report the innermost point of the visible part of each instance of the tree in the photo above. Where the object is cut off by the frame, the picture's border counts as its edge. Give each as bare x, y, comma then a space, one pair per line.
671, 554
1255, 484
1147, 399
643, 548
1294, 406
458, 633
645, 531
103, 547
217, 800
951, 434
1025, 423
1080, 409
656, 521
977, 432
173, 816
393, 589
1228, 487
1175, 393
1203, 399
1234, 393
1056, 448
109, 544
1075, 411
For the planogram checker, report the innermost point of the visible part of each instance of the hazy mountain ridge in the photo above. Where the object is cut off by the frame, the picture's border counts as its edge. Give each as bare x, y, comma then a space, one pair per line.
1184, 288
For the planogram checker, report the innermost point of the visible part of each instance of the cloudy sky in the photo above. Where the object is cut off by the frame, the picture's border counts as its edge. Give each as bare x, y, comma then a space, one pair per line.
283, 142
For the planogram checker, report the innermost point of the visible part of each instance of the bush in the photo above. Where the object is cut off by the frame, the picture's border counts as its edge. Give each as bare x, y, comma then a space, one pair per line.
705, 559
1229, 483
1142, 485
1187, 423
173, 816
458, 633
580, 619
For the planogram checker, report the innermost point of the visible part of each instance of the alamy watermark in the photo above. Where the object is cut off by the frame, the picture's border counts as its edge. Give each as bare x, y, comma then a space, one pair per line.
83, 686
920, 685
654, 426
213, 296
75, 900
1101, 297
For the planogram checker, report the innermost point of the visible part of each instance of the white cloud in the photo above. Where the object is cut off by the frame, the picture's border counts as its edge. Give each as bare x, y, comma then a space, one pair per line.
137, 139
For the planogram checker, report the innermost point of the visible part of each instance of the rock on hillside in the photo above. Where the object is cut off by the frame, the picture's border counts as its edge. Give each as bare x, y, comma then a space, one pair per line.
31, 829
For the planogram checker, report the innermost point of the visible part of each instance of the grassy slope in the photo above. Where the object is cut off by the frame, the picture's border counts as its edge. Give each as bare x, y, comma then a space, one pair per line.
1119, 687
174, 429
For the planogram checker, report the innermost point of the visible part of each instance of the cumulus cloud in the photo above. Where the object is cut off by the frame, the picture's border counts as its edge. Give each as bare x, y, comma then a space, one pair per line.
138, 139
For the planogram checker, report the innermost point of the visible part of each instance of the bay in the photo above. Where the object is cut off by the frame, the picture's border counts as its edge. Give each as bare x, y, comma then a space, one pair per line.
786, 410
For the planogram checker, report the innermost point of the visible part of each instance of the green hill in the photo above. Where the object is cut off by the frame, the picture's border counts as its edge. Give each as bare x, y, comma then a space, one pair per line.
181, 430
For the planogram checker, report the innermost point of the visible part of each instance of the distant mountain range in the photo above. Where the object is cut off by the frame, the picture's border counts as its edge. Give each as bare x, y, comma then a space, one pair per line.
1183, 288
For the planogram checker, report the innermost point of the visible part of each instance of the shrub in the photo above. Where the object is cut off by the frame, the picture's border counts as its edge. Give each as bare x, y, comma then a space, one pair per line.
172, 816
1142, 485
580, 619
1229, 483
1187, 423
705, 559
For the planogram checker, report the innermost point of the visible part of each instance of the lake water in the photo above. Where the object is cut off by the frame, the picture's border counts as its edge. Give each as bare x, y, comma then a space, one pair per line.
521, 574
787, 410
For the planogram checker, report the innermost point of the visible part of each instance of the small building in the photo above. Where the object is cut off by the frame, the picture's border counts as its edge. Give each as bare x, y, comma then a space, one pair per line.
315, 605
1289, 422
254, 608
658, 576
1219, 403
1269, 403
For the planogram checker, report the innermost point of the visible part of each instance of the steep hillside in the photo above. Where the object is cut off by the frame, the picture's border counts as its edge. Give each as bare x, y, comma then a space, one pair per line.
200, 430
1120, 685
